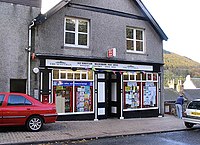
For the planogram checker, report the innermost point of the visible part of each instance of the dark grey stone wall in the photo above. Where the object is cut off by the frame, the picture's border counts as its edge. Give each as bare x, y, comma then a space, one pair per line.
32, 3
106, 31
15, 20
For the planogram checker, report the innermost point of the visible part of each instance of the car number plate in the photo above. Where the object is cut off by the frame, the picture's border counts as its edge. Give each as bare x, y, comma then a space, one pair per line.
195, 113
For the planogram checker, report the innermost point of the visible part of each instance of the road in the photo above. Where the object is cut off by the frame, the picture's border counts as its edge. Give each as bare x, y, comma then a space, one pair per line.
190, 137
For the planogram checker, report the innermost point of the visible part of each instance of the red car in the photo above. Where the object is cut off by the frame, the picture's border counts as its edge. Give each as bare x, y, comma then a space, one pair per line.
18, 109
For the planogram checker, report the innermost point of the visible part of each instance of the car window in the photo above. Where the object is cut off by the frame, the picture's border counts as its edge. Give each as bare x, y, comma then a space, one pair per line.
16, 100
194, 105
1, 99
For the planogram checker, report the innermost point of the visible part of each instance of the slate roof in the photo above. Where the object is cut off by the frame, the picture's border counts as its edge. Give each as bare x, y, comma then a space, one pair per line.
192, 94
196, 82
170, 94
41, 18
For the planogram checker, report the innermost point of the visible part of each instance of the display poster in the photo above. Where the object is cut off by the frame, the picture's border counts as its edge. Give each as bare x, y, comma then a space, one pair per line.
132, 96
149, 94
63, 96
83, 96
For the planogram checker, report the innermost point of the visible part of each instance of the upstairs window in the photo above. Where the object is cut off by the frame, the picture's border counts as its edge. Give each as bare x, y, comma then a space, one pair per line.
76, 32
135, 40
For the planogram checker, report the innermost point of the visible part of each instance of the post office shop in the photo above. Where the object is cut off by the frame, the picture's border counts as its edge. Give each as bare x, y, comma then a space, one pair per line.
91, 90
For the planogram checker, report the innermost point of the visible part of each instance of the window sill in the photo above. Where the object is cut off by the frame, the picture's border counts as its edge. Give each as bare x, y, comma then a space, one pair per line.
75, 46
135, 52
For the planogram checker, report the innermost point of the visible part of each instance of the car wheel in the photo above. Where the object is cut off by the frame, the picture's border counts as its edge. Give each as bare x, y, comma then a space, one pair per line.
34, 123
189, 125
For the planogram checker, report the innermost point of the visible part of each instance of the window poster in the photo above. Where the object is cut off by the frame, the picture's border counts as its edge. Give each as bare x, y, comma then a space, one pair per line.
149, 94
83, 96
132, 96
63, 96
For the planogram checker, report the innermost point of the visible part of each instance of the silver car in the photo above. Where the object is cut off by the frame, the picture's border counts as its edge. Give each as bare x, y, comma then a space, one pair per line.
192, 114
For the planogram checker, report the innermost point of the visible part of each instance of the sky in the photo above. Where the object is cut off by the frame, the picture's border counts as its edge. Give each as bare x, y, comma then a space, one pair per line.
177, 18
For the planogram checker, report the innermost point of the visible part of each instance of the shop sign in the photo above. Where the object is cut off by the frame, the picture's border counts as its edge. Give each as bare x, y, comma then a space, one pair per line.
96, 65
67, 83
83, 84
111, 52
62, 83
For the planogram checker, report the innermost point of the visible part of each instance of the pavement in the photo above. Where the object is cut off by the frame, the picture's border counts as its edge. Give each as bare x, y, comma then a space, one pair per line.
79, 130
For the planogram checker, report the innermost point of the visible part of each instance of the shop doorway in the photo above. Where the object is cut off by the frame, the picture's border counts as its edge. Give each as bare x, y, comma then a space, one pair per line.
18, 85
109, 95
113, 95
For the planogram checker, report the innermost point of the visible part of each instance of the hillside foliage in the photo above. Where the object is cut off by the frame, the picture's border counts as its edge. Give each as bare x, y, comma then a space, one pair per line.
178, 67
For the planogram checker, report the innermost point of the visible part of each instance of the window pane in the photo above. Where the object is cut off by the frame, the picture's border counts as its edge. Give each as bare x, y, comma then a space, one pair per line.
193, 105
155, 77
90, 75
69, 75
126, 76
82, 39
27, 102
63, 76
132, 95
82, 27
129, 33
55, 74
139, 35
1, 99
83, 76
149, 94
149, 76
64, 96
84, 98
16, 100
77, 76
138, 76
70, 25
132, 77
143, 76
139, 46
130, 45
69, 38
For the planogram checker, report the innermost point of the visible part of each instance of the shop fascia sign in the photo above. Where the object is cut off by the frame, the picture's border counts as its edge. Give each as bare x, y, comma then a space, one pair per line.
96, 65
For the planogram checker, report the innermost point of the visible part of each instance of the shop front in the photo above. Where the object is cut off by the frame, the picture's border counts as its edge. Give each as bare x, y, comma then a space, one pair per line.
86, 90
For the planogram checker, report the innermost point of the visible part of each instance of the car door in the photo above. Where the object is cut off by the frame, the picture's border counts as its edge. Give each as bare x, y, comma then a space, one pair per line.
2, 96
17, 110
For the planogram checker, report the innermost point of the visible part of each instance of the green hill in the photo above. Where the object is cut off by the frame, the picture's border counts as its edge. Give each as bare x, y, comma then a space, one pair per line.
178, 67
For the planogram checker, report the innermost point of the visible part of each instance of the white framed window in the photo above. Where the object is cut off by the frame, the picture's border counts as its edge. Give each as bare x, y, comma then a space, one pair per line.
76, 32
82, 75
135, 40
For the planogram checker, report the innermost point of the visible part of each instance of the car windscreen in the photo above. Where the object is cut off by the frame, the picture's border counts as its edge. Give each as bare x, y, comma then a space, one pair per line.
194, 105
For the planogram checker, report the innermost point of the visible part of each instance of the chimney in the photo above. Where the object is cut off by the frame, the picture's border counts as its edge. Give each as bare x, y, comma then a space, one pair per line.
31, 3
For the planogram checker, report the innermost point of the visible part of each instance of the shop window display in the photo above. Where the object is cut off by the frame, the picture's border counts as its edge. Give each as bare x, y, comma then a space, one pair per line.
73, 91
132, 95
140, 90
149, 94
63, 93
83, 97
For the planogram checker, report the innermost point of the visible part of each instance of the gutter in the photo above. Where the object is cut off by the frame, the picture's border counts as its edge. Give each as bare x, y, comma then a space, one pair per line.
29, 56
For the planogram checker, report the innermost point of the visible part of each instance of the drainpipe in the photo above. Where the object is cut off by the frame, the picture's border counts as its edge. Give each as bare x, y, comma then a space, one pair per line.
29, 57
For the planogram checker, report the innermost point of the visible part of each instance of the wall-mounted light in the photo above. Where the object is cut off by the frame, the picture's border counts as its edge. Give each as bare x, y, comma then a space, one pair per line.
36, 70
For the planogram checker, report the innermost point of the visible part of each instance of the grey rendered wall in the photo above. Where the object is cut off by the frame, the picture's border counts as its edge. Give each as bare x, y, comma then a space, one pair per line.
32, 3
106, 31
15, 20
